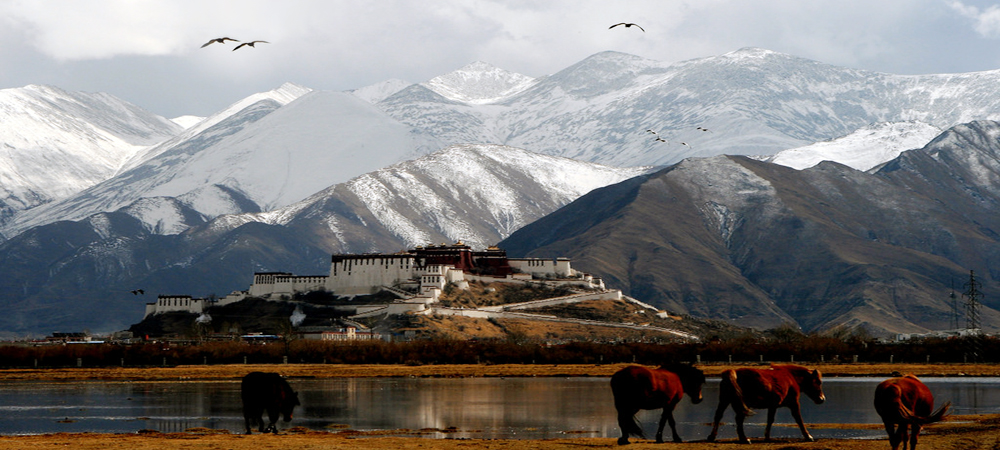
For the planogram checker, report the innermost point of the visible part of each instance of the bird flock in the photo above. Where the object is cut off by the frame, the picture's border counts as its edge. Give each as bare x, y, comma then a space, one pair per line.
656, 135
222, 40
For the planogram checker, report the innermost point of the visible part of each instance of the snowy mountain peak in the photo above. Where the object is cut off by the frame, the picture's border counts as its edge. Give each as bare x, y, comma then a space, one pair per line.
287, 92
747, 53
284, 95
56, 143
377, 92
479, 83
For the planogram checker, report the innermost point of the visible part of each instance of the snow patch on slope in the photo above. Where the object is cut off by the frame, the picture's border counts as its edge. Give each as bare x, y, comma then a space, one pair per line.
187, 121
862, 149
160, 215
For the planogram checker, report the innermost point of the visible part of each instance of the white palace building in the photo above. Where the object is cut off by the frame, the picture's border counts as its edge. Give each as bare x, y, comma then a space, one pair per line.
417, 276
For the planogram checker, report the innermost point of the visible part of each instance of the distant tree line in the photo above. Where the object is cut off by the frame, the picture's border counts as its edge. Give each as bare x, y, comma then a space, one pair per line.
776, 348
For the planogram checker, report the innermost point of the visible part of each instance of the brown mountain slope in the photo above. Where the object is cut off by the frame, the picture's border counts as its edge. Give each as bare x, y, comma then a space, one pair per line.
760, 244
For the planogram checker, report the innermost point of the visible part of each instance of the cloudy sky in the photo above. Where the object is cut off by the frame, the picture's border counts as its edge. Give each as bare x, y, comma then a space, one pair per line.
149, 52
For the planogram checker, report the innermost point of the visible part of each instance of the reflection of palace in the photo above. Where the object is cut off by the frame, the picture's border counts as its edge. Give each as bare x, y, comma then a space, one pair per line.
417, 276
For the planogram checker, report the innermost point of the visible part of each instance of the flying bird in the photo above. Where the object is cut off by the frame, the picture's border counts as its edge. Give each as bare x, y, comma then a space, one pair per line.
659, 139
627, 25
221, 40
249, 44
685, 143
138, 292
704, 129
650, 131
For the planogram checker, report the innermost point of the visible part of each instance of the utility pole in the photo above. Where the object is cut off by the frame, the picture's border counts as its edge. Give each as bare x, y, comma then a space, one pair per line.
972, 301
955, 310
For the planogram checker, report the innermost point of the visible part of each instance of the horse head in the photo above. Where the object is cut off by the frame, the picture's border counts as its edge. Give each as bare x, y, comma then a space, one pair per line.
692, 379
813, 386
290, 400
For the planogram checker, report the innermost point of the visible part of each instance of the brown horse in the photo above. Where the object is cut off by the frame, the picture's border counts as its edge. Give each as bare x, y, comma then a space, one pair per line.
773, 388
637, 387
907, 402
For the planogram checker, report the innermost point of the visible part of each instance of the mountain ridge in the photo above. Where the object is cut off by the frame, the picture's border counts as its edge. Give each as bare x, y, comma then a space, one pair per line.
824, 248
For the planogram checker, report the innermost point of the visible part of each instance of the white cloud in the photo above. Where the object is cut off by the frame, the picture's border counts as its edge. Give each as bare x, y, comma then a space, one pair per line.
148, 51
986, 22
77, 30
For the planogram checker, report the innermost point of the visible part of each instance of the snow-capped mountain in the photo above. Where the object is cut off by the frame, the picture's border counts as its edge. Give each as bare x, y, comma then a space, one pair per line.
55, 143
478, 194
264, 156
474, 193
281, 96
825, 248
751, 101
479, 83
863, 149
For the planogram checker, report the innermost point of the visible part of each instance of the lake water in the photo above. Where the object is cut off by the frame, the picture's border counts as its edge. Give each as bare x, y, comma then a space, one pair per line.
519, 408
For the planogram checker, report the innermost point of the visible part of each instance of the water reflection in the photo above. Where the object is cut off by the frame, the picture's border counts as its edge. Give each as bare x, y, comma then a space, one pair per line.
529, 408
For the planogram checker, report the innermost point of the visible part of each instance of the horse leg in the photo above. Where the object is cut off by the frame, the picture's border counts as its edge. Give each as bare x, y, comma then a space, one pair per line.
903, 434
770, 421
797, 414
668, 417
627, 423
890, 428
659, 427
247, 421
739, 427
673, 425
272, 415
913, 436
253, 416
723, 404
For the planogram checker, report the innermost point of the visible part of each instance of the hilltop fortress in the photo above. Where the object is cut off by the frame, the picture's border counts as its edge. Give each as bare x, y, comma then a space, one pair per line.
417, 277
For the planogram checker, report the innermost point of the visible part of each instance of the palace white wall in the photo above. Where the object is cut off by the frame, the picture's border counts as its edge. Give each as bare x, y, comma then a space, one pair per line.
359, 275
168, 303
541, 266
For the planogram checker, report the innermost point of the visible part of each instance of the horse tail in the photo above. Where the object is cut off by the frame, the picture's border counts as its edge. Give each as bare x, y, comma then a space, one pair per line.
909, 416
937, 416
729, 377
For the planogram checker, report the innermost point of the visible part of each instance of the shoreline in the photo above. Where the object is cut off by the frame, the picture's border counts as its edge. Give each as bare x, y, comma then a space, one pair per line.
308, 371
957, 432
